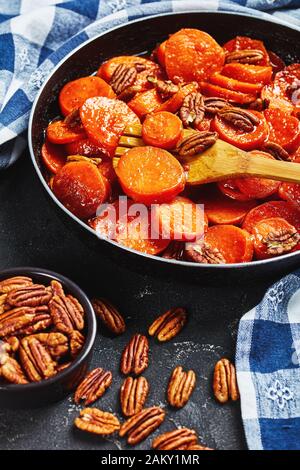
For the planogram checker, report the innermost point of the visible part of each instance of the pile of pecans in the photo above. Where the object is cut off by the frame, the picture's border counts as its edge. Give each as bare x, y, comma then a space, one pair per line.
41, 330
140, 421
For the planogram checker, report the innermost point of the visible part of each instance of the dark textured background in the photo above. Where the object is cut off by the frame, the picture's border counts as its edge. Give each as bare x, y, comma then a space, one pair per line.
31, 233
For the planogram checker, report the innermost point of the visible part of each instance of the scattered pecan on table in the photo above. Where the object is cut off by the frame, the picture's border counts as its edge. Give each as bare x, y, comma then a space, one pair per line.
135, 359
224, 382
93, 386
178, 439
109, 316
97, 422
168, 325
181, 386
133, 394
139, 426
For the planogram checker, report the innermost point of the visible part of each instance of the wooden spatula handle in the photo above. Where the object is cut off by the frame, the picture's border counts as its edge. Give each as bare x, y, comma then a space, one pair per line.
275, 169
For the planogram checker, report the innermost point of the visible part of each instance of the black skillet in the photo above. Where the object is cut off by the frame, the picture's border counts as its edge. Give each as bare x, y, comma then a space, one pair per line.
139, 37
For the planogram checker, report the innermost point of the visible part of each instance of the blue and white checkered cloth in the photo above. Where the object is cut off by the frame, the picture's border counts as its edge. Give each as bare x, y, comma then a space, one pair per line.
268, 368
34, 36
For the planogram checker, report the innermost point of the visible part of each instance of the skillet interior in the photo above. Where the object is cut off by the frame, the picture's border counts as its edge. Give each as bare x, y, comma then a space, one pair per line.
141, 37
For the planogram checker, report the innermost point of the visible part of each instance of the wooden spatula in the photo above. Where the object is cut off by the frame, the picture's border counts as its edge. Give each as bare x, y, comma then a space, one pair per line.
220, 161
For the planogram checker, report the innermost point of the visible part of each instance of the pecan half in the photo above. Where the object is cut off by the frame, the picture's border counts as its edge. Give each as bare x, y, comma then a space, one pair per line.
224, 381
213, 104
13, 283
281, 241
76, 342
203, 253
166, 88
73, 119
57, 288
5, 349
93, 386
241, 119
57, 344
29, 296
276, 151
41, 321
197, 447
12, 372
133, 395
192, 109
168, 325
245, 56
181, 386
2, 303
14, 320
109, 315
175, 250
67, 313
129, 93
178, 439
139, 426
14, 343
36, 360
135, 355
196, 142
259, 104
63, 366
122, 78
97, 422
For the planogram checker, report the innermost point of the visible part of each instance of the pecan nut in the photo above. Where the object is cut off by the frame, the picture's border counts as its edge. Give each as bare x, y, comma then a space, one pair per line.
196, 142
181, 386
56, 287
178, 439
97, 422
129, 93
14, 343
245, 56
174, 250
67, 313
276, 151
203, 253
139, 426
41, 321
13, 283
29, 296
135, 355
19, 320
224, 381
259, 104
241, 119
2, 303
192, 110
168, 325
166, 88
12, 371
109, 315
213, 104
123, 77
76, 342
133, 395
281, 241
197, 447
93, 386
57, 344
36, 360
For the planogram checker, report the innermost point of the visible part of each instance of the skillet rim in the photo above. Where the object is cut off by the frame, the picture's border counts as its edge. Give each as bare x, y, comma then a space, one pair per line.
233, 266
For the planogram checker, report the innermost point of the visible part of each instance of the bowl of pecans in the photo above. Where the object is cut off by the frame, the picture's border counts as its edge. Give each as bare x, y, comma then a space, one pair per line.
47, 332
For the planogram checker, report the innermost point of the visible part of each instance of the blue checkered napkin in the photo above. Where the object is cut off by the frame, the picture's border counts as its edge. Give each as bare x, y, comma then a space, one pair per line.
268, 368
36, 34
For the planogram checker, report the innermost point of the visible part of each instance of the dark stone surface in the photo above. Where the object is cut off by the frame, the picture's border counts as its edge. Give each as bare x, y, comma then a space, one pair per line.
31, 233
